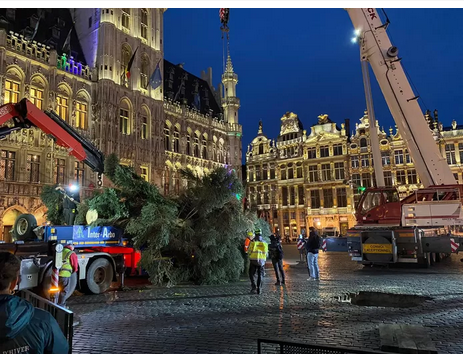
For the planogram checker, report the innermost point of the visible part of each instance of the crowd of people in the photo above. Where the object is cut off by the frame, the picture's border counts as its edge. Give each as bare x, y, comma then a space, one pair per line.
258, 251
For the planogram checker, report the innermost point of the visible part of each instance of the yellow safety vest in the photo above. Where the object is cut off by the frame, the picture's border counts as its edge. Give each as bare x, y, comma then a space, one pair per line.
258, 251
66, 269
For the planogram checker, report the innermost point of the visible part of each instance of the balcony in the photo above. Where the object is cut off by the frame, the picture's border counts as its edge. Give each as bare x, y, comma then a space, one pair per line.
73, 67
23, 189
34, 50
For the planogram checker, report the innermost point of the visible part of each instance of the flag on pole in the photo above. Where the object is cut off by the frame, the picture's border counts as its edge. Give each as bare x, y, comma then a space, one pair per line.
129, 65
67, 43
155, 78
35, 30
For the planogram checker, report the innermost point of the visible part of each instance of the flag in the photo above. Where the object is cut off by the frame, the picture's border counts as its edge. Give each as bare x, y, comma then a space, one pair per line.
129, 65
178, 91
196, 101
155, 78
35, 30
67, 43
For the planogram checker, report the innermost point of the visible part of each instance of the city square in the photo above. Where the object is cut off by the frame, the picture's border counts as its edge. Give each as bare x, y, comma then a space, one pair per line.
230, 180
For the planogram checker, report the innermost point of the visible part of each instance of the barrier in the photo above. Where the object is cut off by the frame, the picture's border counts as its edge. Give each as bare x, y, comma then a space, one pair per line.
63, 316
266, 346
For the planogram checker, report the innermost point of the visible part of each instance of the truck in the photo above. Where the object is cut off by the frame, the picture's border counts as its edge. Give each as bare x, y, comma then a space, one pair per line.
426, 225
103, 252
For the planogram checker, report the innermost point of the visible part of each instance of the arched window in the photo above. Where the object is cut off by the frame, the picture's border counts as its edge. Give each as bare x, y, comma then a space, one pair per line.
144, 23
167, 136
363, 142
188, 149
144, 72
82, 105
62, 102
13, 84
144, 121
203, 147
196, 145
176, 139
261, 149
37, 91
125, 115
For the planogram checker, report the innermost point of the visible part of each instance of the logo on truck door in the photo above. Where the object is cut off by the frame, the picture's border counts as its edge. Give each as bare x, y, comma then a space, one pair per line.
377, 248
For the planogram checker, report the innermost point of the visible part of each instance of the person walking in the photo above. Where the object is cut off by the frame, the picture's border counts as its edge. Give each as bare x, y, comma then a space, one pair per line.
258, 253
24, 328
276, 253
70, 265
246, 245
312, 247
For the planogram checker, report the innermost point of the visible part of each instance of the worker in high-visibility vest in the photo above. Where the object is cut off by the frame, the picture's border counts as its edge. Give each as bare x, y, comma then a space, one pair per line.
70, 265
246, 245
248, 241
257, 252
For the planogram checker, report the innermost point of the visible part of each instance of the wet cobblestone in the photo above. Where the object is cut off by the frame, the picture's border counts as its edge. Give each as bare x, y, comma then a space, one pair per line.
226, 319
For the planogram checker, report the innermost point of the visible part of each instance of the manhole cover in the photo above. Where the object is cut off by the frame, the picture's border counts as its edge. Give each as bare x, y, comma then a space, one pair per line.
370, 298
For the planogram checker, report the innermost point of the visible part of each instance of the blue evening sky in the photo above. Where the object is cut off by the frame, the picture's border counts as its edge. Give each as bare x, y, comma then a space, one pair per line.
303, 61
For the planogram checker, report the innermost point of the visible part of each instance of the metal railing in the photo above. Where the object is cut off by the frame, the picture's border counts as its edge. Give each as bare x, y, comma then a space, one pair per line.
63, 316
266, 346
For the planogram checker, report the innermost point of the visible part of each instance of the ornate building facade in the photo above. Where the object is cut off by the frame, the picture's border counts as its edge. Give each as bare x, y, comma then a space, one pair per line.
76, 64
302, 180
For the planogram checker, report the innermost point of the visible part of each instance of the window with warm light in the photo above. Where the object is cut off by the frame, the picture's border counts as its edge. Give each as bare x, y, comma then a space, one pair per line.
33, 167
11, 92
144, 172
62, 108
81, 115
37, 97
7, 165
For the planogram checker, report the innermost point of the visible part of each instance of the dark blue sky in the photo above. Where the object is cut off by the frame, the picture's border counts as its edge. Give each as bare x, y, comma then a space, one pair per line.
302, 60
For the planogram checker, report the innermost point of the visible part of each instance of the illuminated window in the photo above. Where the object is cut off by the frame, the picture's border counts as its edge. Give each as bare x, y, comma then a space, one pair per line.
37, 97
339, 168
59, 172
79, 172
341, 198
81, 115
7, 165
125, 18
33, 167
11, 92
450, 154
124, 121
144, 24
144, 172
62, 107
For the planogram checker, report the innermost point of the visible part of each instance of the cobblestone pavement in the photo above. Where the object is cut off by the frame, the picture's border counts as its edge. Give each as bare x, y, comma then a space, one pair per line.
226, 319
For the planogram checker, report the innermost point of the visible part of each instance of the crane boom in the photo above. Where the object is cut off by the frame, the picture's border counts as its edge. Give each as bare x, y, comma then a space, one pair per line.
377, 49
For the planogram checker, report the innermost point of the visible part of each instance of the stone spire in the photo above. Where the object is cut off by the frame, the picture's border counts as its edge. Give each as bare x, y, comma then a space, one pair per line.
229, 67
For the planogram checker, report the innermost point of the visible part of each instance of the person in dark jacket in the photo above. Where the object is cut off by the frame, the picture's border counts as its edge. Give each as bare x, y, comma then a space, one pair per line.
24, 328
312, 247
276, 253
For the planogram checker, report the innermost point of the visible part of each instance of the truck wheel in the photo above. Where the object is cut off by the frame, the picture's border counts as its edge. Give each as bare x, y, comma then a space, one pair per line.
99, 276
24, 226
44, 288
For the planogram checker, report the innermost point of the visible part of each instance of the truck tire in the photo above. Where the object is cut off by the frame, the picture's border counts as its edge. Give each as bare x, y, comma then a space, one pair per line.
99, 276
23, 229
44, 287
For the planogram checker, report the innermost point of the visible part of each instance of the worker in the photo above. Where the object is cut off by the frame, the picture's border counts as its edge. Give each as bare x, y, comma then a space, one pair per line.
71, 199
23, 328
248, 240
70, 265
258, 253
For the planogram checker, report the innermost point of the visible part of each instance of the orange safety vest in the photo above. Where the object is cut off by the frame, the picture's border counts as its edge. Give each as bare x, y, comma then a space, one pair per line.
247, 244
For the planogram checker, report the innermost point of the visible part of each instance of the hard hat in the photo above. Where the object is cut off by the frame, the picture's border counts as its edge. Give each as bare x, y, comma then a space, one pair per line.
250, 233
258, 232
